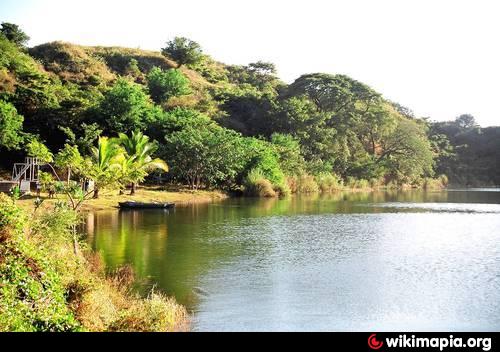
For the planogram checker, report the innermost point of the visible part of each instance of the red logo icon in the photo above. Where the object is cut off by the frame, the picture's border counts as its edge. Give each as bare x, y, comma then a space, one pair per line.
373, 343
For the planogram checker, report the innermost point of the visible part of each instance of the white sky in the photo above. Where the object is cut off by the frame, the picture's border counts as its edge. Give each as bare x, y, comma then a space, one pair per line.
440, 58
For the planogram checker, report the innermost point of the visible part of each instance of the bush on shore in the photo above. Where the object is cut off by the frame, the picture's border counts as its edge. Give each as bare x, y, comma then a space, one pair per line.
256, 184
328, 182
307, 184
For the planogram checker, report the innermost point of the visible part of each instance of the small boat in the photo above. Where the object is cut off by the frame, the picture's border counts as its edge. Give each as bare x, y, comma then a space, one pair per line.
141, 205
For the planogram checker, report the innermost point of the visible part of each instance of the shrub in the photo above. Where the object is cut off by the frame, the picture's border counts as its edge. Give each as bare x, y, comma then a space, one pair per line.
292, 182
392, 184
376, 182
444, 180
32, 296
282, 189
307, 184
432, 183
257, 185
165, 84
363, 184
154, 313
328, 182
350, 182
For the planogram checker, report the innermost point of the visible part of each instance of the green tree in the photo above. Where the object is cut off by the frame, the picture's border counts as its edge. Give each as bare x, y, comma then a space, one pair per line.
165, 84
37, 149
300, 118
138, 159
466, 121
407, 152
261, 75
103, 165
206, 155
288, 148
265, 159
70, 158
125, 107
467, 153
132, 69
11, 124
14, 34
87, 135
183, 50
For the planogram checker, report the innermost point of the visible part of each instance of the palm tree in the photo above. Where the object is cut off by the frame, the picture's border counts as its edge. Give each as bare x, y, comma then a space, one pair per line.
138, 161
104, 163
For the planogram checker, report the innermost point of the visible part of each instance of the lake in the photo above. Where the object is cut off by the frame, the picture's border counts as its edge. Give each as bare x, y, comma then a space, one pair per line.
380, 261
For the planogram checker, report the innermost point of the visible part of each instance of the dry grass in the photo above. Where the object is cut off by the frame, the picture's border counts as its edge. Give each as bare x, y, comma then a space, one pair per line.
71, 62
109, 305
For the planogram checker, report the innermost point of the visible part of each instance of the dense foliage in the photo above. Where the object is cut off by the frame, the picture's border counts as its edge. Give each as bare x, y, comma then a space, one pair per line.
469, 154
223, 125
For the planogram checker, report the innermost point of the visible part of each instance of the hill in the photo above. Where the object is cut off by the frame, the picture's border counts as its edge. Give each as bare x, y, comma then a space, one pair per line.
321, 124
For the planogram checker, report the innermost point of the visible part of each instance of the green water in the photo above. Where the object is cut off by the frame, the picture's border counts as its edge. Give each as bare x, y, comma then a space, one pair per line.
409, 260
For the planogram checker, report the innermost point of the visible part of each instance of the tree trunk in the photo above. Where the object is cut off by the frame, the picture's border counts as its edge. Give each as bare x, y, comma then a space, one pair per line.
69, 175
76, 247
96, 192
132, 189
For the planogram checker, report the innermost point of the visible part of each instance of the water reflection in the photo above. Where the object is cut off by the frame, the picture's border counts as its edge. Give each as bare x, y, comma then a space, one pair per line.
345, 261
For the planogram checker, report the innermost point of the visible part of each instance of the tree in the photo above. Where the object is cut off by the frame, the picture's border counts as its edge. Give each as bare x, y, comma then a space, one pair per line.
290, 159
336, 94
11, 124
37, 149
14, 34
465, 121
207, 155
250, 111
165, 84
265, 159
467, 153
262, 68
183, 50
88, 134
138, 161
132, 69
407, 152
69, 157
261, 75
103, 165
125, 107
300, 118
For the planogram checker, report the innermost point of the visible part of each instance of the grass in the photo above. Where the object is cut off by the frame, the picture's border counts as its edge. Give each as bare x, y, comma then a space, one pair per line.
109, 199
256, 184
50, 280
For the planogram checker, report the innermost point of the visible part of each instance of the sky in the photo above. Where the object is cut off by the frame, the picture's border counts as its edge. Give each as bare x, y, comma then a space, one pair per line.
441, 58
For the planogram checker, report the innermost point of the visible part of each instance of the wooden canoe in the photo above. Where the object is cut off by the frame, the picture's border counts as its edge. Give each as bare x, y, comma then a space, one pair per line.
141, 205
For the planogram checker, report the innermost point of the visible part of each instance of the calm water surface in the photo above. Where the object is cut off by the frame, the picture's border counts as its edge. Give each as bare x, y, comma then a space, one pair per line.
360, 261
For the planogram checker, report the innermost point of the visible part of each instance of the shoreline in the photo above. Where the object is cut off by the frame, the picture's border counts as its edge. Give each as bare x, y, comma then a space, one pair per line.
108, 200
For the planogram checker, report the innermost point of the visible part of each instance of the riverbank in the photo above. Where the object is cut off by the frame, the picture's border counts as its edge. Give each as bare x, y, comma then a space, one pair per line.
51, 280
109, 199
